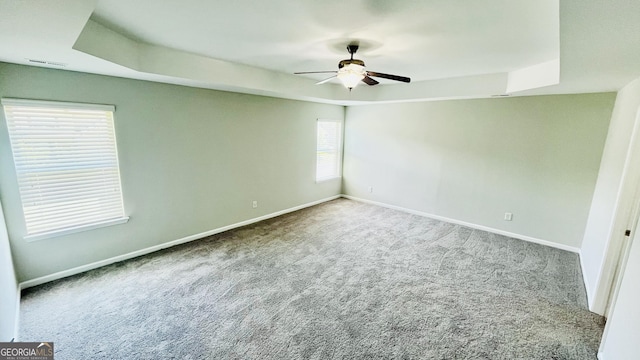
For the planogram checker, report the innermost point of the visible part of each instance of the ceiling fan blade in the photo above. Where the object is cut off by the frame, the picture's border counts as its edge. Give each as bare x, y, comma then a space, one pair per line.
315, 72
369, 81
325, 80
390, 77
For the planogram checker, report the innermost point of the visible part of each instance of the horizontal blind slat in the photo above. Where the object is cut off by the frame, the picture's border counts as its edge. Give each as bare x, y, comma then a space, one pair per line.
79, 210
72, 222
70, 183
77, 175
61, 206
98, 211
86, 151
36, 164
83, 210
35, 196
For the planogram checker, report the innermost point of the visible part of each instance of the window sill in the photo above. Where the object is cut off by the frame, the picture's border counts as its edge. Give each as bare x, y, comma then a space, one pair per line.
72, 230
328, 179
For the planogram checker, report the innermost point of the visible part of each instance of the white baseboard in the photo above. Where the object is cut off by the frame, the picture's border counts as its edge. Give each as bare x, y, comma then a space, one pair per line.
471, 225
16, 324
587, 287
97, 264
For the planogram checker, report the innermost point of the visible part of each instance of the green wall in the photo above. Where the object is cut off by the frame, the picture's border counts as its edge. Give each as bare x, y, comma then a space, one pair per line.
191, 160
473, 160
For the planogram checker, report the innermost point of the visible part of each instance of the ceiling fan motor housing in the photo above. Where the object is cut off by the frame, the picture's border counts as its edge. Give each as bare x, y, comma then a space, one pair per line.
346, 62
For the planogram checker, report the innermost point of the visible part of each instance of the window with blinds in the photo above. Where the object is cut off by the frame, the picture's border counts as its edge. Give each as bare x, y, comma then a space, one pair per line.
66, 165
329, 149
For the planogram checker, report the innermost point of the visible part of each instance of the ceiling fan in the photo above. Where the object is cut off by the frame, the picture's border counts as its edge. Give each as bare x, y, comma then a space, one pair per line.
351, 71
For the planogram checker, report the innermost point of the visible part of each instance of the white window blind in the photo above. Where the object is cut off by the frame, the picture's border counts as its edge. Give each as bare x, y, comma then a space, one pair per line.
66, 165
329, 149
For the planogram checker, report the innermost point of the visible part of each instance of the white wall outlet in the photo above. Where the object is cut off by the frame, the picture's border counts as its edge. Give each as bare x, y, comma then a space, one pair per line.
508, 216
254, 204
370, 189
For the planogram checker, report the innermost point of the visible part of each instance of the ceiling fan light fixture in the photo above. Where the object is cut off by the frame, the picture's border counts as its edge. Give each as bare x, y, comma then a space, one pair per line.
351, 75
352, 71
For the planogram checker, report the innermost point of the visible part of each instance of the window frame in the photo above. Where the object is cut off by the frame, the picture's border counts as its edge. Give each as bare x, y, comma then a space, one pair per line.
339, 150
73, 228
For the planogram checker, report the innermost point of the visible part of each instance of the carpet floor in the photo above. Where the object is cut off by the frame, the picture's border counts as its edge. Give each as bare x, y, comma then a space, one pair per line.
341, 280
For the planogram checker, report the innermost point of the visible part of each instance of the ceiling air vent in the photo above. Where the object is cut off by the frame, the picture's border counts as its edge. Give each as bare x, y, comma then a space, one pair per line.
49, 63
500, 95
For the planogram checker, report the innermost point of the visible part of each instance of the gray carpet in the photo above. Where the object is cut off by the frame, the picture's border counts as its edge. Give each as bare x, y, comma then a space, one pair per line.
342, 280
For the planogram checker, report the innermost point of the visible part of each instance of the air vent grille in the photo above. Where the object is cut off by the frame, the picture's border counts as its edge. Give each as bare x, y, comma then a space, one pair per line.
44, 62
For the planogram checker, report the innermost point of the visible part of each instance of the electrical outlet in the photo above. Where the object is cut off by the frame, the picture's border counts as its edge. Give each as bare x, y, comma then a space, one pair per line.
370, 189
255, 204
508, 216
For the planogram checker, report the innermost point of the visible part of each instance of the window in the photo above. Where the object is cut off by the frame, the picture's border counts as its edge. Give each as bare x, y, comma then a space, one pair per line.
329, 149
66, 165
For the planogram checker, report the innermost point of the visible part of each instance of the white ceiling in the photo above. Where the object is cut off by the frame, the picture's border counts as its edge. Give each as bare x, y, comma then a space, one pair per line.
450, 49
426, 39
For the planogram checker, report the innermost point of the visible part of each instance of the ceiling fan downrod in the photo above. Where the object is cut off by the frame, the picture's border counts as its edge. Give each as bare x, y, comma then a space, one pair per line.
352, 48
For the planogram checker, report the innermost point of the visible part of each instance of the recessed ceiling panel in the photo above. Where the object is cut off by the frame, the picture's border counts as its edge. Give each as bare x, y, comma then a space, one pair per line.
424, 39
